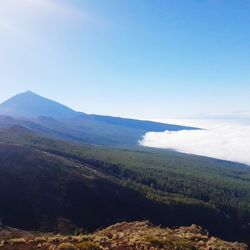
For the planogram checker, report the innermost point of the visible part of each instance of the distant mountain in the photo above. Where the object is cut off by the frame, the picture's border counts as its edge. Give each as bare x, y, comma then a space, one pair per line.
53, 119
29, 104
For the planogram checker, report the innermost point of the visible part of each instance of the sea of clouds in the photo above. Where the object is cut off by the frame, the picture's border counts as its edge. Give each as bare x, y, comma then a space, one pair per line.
222, 139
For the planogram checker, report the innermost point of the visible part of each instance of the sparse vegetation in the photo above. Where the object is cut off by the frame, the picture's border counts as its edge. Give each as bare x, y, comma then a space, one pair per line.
87, 245
15, 241
66, 246
131, 236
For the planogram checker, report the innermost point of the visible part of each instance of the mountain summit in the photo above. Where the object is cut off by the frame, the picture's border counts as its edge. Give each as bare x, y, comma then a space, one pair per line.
29, 104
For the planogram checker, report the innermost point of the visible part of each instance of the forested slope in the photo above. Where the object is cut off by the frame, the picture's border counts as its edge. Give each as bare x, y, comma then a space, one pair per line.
166, 187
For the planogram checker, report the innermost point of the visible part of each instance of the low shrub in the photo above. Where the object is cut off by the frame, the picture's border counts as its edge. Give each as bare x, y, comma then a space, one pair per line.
88, 246
66, 246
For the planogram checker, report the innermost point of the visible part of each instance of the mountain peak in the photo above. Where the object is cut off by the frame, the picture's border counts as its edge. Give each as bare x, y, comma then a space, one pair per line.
29, 92
26, 94
30, 104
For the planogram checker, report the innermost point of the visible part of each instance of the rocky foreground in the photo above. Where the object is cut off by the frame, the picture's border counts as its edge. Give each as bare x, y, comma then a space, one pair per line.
122, 236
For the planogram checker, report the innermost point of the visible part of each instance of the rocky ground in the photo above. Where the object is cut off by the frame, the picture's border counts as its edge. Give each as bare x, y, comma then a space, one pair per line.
122, 236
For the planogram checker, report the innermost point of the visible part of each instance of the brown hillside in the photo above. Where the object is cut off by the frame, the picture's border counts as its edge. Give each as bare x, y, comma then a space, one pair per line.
122, 236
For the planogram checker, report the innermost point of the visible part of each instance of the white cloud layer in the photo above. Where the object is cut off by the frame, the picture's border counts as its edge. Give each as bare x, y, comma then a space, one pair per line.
227, 140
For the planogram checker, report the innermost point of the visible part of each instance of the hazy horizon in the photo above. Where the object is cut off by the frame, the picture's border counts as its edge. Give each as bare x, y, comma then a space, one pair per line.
240, 116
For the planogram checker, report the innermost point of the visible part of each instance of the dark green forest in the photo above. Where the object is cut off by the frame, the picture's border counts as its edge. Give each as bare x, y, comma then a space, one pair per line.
165, 175
180, 188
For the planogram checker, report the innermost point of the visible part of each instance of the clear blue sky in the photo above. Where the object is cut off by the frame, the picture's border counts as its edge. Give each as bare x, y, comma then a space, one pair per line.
132, 58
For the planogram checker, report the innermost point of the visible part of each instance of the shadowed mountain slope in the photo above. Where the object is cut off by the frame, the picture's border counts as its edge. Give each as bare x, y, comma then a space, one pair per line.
92, 186
39, 189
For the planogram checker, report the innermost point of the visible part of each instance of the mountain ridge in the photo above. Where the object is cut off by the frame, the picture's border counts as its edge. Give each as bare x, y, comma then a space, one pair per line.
51, 118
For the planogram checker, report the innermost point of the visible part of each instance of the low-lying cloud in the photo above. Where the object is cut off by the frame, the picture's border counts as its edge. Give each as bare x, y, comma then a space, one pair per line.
225, 140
